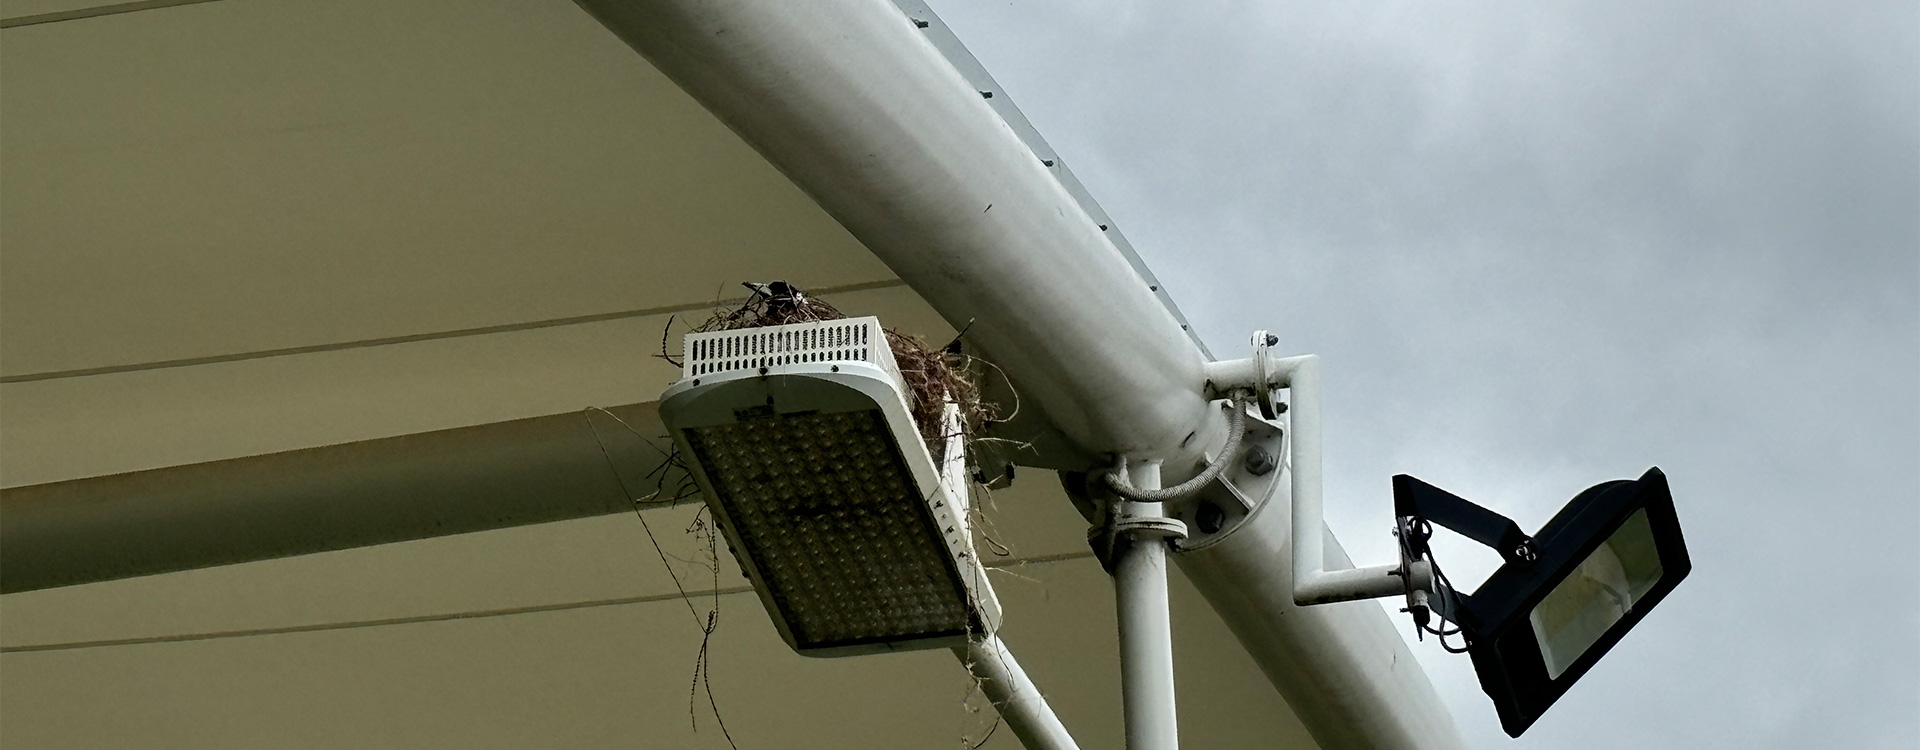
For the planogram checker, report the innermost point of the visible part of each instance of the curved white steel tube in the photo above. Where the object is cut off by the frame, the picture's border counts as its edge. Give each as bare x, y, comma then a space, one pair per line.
858, 107
865, 115
1342, 667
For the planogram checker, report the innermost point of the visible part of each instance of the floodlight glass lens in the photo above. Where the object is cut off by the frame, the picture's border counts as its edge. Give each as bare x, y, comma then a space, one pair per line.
1597, 594
829, 514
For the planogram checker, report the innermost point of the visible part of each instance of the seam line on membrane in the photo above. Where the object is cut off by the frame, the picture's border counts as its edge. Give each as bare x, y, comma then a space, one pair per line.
447, 616
418, 337
97, 11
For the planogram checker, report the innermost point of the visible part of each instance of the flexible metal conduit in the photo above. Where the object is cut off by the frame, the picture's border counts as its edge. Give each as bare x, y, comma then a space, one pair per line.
1236, 428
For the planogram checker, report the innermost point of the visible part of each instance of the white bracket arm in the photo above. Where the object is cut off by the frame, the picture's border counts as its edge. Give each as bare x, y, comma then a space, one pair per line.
1312, 582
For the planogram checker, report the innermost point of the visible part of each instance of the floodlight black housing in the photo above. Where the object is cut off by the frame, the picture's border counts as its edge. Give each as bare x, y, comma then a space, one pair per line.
1529, 651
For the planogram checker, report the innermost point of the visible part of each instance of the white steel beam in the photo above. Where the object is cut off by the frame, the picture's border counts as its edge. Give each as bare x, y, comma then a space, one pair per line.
358, 494
1342, 667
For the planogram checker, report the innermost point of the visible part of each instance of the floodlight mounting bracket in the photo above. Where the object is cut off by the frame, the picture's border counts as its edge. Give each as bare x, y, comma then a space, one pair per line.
1416, 500
1264, 375
1416, 507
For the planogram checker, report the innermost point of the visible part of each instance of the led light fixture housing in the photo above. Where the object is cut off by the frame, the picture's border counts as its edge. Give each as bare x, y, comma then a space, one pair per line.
1569, 594
803, 444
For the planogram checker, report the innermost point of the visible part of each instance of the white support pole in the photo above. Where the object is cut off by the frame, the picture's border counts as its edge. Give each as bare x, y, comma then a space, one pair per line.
1020, 704
1146, 646
1146, 630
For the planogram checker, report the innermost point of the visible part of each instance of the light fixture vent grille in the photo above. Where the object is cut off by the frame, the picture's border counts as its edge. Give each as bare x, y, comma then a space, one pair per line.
819, 342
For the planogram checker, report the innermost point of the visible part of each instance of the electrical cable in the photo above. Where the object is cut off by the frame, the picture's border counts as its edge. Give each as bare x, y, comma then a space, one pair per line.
1441, 632
702, 675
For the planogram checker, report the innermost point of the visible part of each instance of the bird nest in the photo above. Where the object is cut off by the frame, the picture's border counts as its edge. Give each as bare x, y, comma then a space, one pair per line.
934, 376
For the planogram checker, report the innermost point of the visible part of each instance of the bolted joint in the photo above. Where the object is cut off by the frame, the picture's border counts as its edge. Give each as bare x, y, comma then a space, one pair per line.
1259, 462
1257, 374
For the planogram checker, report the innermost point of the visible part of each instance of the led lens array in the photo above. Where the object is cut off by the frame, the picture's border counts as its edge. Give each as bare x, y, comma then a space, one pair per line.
829, 514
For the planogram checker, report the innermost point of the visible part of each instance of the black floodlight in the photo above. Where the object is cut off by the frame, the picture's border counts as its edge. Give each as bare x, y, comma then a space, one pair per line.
1563, 597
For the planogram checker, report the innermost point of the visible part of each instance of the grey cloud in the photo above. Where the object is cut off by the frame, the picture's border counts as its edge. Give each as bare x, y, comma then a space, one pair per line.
1542, 245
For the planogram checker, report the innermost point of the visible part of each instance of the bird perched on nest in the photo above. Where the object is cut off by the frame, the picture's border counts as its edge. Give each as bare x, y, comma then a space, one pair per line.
771, 304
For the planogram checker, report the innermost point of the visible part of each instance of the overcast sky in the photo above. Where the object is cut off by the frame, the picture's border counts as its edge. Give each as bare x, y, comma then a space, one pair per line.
1541, 245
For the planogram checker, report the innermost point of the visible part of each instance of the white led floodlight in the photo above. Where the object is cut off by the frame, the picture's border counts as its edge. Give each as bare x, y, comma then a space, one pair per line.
803, 444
